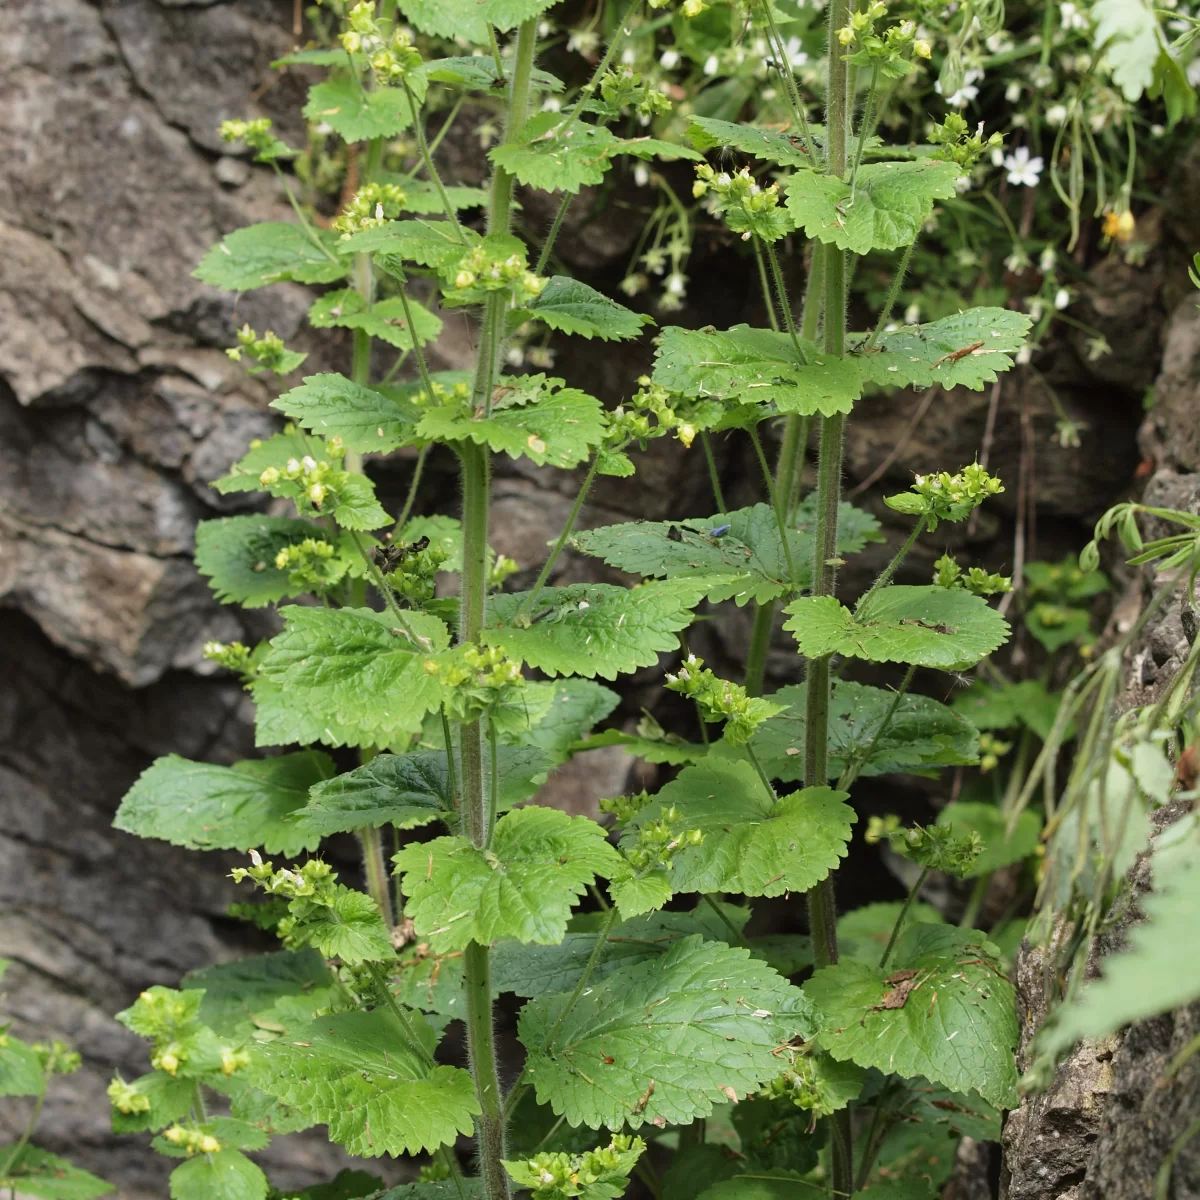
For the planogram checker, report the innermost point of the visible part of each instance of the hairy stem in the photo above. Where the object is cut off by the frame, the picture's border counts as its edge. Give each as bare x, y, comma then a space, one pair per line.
890, 570
414, 486
713, 476
430, 167
552, 236
481, 1041
598, 73
822, 905
885, 313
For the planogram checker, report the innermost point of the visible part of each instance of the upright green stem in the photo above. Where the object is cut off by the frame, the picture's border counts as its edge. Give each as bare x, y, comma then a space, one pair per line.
500, 207
481, 1042
890, 570
886, 312
552, 236
414, 486
822, 906
598, 73
714, 476
15, 1153
375, 869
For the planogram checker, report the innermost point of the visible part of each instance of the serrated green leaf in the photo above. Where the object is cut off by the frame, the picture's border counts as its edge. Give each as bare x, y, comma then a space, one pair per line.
477, 72
448, 1189
357, 668
755, 365
508, 14
575, 707
357, 1073
570, 306
236, 992
947, 628
716, 1019
243, 807
257, 255
595, 629
436, 244
226, 1175
922, 355
1000, 848
523, 887
540, 419
422, 197
283, 717
889, 204
531, 970
410, 790
450, 19
921, 733
355, 506
957, 1024
745, 562
270, 452
332, 406
39, 1173
1127, 31
758, 1185
349, 927
708, 133
863, 933
385, 319
752, 843
20, 1068
358, 115
237, 554
1154, 974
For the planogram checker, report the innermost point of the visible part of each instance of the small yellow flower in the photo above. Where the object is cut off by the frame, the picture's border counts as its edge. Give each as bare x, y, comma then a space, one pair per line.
845, 35
922, 49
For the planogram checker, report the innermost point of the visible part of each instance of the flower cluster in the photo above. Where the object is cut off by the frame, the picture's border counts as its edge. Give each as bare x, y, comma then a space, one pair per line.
936, 847
626, 88
258, 136
946, 497
391, 53
191, 1141
181, 1041
991, 751
625, 808
267, 353
890, 53
748, 209
948, 574
313, 565
653, 412
960, 145
658, 842
497, 264
57, 1058
476, 679
306, 481
369, 207
411, 568
804, 1085
689, 8
233, 656
554, 1174
719, 700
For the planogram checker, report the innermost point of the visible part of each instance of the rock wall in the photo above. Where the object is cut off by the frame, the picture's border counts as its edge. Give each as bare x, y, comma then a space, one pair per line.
118, 407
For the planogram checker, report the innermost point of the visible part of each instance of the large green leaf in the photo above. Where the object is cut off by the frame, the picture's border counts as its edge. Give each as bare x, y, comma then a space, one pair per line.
331, 405
1159, 970
20, 1068
243, 807
573, 307
238, 556
226, 1175
746, 561
784, 149
450, 19
576, 705
257, 255
539, 862
436, 244
1000, 848
965, 349
235, 993
930, 626
752, 844
356, 114
534, 417
863, 933
920, 735
759, 1185
357, 667
755, 365
662, 1040
37, 1172
953, 1021
889, 204
358, 1073
530, 970
543, 157
384, 319
595, 629
409, 790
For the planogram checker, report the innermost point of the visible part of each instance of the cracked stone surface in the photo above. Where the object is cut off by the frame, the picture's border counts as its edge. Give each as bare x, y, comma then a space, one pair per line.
118, 408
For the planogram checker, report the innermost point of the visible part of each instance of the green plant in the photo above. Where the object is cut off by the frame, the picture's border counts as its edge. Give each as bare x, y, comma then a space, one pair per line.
26, 1070
640, 1020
